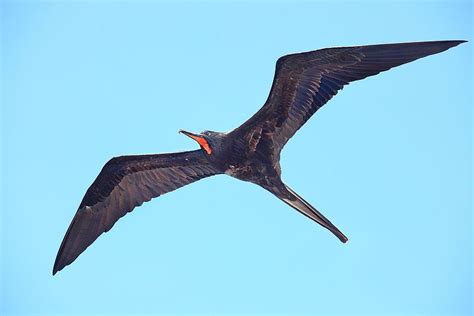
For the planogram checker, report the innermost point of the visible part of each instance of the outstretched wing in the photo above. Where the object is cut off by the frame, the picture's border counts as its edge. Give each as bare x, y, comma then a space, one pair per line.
304, 82
124, 183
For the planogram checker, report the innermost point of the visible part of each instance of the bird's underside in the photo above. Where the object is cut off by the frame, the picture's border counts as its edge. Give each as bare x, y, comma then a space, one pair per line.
302, 84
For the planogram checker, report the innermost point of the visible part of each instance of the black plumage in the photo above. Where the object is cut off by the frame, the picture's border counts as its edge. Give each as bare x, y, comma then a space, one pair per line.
123, 184
303, 83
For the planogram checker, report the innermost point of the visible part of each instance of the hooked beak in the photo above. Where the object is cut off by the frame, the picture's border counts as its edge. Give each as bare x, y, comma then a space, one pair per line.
198, 138
189, 134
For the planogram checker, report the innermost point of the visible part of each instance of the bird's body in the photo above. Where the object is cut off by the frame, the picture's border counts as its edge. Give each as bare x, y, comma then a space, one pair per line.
303, 83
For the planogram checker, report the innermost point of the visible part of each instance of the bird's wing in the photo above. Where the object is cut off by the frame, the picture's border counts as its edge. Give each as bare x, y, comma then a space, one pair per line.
304, 82
124, 183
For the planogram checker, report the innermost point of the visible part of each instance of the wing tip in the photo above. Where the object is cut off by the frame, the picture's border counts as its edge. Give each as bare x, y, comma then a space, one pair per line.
454, 43
55, 270
57, 266
441, 46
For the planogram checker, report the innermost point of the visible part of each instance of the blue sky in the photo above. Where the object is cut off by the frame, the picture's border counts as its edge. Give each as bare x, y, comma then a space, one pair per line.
388, 160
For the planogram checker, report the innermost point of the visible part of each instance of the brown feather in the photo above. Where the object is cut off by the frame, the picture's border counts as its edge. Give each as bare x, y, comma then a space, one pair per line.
123, 184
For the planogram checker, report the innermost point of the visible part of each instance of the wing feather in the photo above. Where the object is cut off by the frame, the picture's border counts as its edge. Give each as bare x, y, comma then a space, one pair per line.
123, 184
304, 82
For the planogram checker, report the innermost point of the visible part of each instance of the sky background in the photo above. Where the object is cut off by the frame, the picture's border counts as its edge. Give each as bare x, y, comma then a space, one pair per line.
388, 161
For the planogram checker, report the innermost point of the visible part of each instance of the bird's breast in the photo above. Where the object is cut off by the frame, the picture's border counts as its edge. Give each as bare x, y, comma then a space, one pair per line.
237, 171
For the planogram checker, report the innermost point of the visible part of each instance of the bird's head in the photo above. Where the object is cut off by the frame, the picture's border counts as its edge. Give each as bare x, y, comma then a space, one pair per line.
208, 140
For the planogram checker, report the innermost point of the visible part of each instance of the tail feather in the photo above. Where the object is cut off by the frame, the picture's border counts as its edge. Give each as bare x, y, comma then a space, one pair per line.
299, 204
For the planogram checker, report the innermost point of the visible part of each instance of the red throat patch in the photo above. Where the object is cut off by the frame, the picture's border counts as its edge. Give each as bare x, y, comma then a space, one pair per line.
204, 144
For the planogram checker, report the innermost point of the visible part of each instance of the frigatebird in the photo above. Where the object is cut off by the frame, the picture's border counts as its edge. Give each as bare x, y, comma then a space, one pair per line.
302, 84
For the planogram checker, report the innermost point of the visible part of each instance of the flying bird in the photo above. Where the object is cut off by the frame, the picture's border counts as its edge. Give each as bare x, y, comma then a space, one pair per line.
302, 84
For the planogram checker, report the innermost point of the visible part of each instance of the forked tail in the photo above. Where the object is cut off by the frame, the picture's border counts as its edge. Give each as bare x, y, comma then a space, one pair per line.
299, 204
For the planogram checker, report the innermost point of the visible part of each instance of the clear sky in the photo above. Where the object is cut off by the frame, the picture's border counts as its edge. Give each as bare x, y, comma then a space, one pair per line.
388, 160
